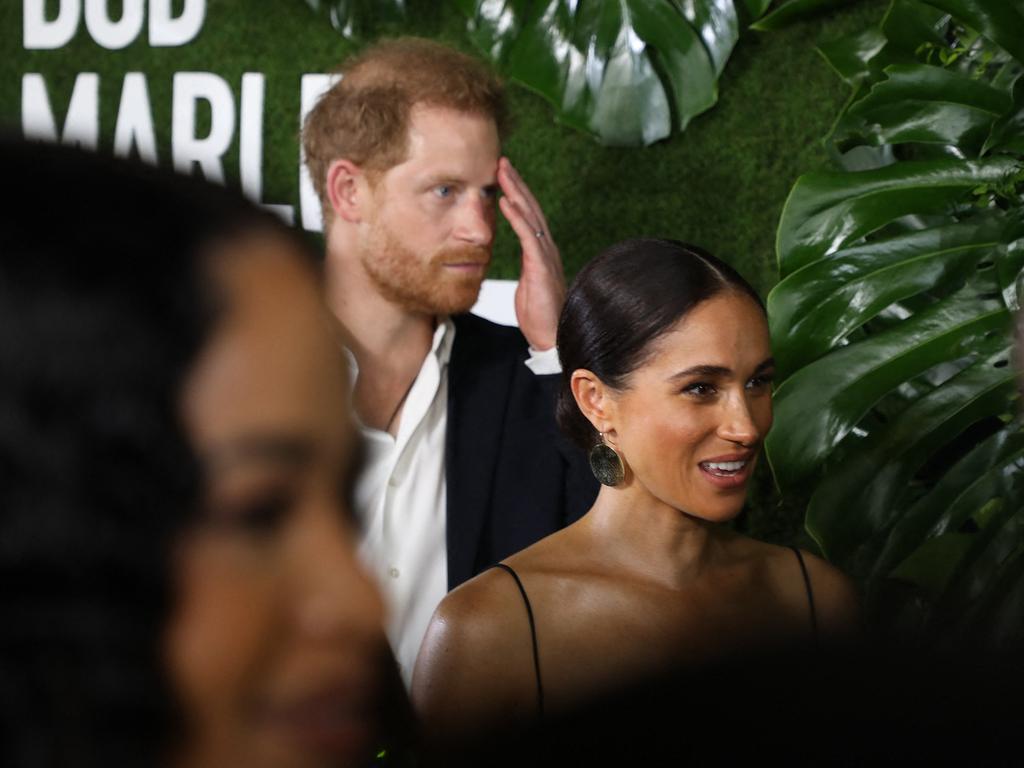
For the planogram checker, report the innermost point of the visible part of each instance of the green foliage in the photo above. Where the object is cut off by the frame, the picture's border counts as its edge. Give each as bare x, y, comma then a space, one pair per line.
623, 70
892, 321
628, 72
926, 104
792, 11
360, 19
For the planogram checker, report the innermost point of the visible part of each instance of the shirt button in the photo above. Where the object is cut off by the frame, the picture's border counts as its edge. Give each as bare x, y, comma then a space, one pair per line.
393, 572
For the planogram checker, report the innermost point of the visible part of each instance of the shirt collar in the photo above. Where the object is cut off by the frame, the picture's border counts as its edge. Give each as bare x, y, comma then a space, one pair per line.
444, 337
440, 347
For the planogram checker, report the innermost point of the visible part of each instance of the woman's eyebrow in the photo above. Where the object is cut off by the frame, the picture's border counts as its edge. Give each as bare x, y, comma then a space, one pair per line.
292, 451
716, 370
701, 370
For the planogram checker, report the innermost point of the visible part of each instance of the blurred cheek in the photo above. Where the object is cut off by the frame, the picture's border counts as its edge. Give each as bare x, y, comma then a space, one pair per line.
220, 634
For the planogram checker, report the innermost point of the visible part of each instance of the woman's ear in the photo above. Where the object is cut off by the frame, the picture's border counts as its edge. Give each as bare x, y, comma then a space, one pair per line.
345, 188
595, 400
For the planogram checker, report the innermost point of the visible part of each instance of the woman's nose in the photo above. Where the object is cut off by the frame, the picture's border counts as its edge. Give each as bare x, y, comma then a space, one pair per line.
738, 424
335, 596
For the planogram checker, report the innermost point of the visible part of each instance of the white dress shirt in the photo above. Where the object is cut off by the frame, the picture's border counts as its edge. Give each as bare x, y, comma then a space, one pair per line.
401, 498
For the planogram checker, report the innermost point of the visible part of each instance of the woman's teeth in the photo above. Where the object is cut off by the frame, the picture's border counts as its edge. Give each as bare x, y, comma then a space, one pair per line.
723, 468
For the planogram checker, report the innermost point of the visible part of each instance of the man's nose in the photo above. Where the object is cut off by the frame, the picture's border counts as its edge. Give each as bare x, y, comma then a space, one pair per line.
476, 218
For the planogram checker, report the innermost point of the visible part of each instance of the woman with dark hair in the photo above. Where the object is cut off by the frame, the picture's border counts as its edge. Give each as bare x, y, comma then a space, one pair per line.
667, 374
178, 575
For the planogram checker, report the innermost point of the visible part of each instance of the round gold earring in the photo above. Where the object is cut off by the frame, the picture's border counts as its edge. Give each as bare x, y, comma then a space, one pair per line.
606, 464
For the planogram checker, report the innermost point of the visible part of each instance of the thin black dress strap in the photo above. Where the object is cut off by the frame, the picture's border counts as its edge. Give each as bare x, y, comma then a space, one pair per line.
810, 594
533, 637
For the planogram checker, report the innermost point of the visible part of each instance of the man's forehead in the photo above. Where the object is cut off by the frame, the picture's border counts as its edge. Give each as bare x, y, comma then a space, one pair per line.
449, 143
426, 111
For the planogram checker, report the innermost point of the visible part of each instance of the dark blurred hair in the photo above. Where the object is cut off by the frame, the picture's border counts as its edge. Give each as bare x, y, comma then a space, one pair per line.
620, 302
104, 306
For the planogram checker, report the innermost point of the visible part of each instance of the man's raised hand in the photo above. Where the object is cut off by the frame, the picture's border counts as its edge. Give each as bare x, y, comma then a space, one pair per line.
541, 290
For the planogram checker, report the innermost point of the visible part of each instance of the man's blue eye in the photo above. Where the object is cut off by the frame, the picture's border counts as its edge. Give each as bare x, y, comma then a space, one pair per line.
442, 190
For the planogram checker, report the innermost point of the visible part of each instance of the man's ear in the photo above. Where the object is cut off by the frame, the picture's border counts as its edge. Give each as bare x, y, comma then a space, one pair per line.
595, 399
345, 188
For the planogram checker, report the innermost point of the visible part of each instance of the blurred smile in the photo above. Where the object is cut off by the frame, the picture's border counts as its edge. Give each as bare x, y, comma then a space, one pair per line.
337, 720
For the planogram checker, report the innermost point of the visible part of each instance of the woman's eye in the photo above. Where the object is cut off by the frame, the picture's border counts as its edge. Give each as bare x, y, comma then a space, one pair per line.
261, 514
763, 381
700, 389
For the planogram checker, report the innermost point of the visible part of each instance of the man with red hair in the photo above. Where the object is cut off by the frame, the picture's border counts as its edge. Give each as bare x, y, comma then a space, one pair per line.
464, 462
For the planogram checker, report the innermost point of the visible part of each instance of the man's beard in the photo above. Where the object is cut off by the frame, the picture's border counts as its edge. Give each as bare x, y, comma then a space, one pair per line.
424, 286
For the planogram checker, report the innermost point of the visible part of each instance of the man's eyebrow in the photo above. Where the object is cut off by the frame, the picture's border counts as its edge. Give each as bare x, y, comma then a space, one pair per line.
453, 179
291, 451
443, 178
717, 370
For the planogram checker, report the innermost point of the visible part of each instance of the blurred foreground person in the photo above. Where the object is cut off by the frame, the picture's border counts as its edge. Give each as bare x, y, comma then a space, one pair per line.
667, 376
177, 564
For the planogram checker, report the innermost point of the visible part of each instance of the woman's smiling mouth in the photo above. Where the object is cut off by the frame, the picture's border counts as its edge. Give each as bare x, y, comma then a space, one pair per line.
338, 720
728, 472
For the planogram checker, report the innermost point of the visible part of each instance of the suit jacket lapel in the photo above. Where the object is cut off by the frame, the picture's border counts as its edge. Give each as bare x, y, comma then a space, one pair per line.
479, 377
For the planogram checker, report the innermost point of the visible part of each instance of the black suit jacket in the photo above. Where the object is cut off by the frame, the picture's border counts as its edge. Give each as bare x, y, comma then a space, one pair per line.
512, 477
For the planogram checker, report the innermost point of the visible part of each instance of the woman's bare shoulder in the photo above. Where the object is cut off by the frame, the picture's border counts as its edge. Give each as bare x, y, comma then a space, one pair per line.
487, 612
836, 600
474, 615
475, 656
479, 604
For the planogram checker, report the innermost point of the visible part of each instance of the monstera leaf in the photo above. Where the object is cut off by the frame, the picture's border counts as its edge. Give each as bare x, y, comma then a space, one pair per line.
907, 26
892, 323
1008, 132
920, 103
1001, 21
626, 71
827, 210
